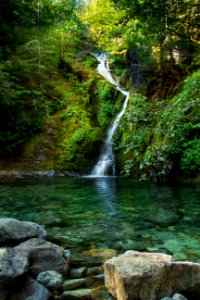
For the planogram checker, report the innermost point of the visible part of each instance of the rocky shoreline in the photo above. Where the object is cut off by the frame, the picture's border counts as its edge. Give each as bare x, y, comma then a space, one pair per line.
32, 268
23, 174
18, 173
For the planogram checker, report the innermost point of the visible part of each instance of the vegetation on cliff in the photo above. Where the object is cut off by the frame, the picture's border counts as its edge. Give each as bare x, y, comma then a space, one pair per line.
55, 108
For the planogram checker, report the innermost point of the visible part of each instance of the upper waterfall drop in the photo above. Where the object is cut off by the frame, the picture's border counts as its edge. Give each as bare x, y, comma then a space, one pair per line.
105, 165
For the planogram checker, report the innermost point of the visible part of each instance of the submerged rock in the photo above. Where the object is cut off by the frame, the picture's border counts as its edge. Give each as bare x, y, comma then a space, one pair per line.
78, 272
103, 254
73, 283
94, 271
13, 231
164, 217
77, 294
148, 276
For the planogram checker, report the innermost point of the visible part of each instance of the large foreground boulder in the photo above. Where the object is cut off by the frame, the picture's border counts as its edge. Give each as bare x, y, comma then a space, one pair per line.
44, 256
28, 289
13, 231
13, 264
148, 276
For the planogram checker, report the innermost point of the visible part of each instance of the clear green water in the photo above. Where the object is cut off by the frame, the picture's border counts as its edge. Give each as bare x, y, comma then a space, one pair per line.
84, 213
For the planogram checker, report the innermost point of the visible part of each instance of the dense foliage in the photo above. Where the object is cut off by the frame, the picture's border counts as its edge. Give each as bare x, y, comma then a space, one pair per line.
32, 45
162, 138
55, 108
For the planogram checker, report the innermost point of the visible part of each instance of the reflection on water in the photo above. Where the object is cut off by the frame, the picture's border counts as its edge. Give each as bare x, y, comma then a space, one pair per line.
84, 213
106, 189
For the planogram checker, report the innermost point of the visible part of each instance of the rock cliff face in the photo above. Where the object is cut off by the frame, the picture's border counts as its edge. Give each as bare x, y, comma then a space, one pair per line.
149, 276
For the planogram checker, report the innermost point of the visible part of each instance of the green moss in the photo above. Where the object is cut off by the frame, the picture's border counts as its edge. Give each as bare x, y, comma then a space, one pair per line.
110, 102
31, 144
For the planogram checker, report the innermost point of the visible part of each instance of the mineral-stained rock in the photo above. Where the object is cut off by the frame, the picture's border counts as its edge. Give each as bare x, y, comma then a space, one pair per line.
44, 256
29, 289
13, 231
50, 279
148, 276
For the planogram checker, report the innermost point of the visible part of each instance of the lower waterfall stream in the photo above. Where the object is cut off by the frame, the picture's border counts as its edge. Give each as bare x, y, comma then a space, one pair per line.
105, 165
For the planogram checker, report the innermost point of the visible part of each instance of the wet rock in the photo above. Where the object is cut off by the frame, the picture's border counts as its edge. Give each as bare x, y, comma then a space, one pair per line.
73, 283
148, 276
50, 279
78, 272
101, 294
77, 294
67, 255
95, 281
44, 256
13, 231
94, 271
29, 289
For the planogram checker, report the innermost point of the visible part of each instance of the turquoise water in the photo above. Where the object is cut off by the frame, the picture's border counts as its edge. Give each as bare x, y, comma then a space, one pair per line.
122, 214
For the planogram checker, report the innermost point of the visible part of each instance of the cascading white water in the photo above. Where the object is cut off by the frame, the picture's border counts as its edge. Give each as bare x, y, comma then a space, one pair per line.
105, 165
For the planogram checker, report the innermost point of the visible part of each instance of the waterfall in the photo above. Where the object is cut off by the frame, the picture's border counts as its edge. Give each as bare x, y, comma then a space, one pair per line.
105, 165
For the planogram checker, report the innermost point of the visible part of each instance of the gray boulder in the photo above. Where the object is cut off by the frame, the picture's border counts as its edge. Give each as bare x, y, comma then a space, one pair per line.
148, 276
13, 231
44, 256
50, 279
13, 263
